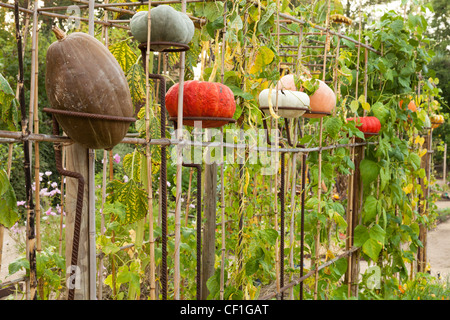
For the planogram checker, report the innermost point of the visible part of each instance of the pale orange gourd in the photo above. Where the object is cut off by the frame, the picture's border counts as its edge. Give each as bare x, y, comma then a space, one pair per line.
287, 82
323, 100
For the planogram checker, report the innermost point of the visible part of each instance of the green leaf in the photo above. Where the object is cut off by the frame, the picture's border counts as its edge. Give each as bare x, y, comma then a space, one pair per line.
136, 82
252, 266
9, 214
414, 160
354, 105
385, 176
332, 126
213, 10
239, 93
360, 236
211, 27
17, 265
372, 248
268, 235
377, 233
131, 196
263, 58
8, 105
381, 112
370, 209
369, 171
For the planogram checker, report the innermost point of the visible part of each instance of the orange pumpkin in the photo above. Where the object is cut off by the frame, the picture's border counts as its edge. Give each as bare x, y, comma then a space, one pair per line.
411, 105
367, 125
202, 99
323, 101
287, 82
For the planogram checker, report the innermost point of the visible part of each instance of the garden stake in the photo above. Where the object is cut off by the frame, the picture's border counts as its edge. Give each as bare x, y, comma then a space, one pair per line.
26, 163
163, 169
8, 174
102, 224
79, 206
105, 37
179, 177
302, 221
222, 187
199, 224
222, 206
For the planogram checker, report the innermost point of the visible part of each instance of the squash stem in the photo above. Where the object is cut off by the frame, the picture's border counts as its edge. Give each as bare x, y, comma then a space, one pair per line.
60, 35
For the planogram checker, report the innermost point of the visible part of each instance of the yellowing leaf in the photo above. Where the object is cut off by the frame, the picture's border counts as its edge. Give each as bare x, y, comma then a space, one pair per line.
269, 98
247, 181
329, 255
408, 188
264, 57
362, 99
366, 106
354, 105
419, 140
422, 152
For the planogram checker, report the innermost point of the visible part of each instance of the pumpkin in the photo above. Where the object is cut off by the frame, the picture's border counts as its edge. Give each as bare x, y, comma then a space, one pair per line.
367, 125
167, 24
202, 99
411, 105
436, 120
287, 82
291, 104
83, 76
339, 18
322, 100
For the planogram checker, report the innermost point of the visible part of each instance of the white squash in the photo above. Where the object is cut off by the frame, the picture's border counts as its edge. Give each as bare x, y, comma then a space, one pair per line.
291, 104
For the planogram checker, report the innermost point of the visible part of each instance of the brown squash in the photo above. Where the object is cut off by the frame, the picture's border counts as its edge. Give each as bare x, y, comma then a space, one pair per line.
83, 76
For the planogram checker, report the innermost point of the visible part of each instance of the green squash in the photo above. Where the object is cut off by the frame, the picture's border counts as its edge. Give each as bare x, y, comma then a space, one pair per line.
167, 24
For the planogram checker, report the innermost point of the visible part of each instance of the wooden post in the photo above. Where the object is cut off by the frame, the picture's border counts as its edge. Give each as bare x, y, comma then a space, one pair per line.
357, 193
208, 249
77, 160
425, 164
445, 165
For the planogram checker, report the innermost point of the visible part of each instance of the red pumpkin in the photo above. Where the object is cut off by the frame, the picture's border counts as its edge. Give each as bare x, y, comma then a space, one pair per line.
202, 99
322, 100
367, 125
411, 105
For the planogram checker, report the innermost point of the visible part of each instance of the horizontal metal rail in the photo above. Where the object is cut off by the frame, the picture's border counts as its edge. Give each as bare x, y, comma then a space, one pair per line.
17, 136
309, 274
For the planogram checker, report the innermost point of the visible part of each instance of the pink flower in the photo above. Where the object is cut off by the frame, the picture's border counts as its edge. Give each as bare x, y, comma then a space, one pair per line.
116, 158
49, 212
21, 203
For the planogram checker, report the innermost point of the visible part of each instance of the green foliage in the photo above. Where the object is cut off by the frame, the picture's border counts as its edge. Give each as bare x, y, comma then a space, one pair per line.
8, 202
8, 106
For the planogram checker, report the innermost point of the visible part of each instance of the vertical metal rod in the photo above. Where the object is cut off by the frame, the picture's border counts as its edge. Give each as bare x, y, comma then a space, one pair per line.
302, 221
179, 173
282, 182
26, 163
91, 188
79, 207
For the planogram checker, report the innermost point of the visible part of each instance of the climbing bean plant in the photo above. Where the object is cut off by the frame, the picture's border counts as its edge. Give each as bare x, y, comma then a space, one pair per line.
255, 58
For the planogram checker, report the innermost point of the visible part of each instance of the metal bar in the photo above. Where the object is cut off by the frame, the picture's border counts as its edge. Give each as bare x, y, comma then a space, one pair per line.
18, 137
78, 211
309, 274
